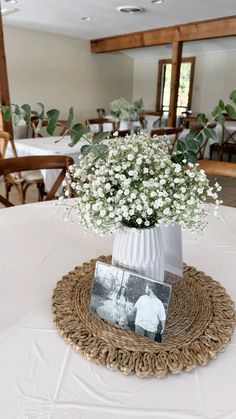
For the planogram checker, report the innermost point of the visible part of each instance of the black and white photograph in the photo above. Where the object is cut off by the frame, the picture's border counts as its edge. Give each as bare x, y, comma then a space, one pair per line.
130, 301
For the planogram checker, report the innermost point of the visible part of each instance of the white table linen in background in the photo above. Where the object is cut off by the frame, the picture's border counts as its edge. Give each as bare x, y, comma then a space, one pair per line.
43, 377
47, 146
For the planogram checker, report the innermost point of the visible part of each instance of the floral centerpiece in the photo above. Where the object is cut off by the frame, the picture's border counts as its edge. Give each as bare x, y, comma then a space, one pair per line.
135, 186
137, 183
122, 110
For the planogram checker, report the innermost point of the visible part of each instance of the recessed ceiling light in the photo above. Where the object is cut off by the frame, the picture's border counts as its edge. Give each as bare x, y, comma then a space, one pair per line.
130, 9
11, 1
86, 18
157, 1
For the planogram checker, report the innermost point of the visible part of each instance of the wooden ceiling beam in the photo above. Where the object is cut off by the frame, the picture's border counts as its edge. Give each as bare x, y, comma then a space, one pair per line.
214, 28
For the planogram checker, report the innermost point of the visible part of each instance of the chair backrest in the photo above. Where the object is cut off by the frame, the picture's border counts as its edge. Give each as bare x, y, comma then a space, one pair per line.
149, 119
59, 131
22, 164
229, 131
218, 168
6, 138
173, 133
96, 125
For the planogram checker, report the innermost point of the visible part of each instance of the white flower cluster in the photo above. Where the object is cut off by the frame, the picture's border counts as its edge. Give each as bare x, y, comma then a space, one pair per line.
138, 184
121, 110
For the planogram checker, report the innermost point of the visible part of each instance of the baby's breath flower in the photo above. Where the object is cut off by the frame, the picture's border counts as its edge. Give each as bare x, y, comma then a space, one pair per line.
137, 183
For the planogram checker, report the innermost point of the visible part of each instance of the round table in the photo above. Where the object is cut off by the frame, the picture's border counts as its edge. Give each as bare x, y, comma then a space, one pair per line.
43, 377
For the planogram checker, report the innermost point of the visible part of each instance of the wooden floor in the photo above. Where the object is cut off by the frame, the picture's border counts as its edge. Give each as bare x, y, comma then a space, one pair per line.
228, 193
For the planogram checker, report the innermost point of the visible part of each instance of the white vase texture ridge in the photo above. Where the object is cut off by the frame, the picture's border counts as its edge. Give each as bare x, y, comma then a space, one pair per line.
140, 251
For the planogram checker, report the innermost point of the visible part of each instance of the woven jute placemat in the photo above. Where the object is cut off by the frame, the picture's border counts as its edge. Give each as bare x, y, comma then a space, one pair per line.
200, 322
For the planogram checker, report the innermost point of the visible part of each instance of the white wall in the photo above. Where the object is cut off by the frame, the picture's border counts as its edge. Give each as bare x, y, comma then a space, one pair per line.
215, 78
145, 81
61, 72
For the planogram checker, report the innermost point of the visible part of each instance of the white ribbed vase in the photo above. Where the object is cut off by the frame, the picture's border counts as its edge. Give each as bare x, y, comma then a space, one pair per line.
140, 251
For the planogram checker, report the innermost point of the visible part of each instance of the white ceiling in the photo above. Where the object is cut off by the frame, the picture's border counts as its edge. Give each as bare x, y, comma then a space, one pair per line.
64, 16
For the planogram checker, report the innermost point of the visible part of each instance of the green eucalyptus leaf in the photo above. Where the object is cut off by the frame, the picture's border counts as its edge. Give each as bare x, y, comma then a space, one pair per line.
210, 133
191, 157
217, 111
220, 119
86, 149
180, 146
194, 139
233, 96
17, 110
27, 113
178, 158
230, 111
201, 119
70, 117
76, 133
100, 136
53, 116
100, 149
221, 104
52, 112
6, 113
193, 145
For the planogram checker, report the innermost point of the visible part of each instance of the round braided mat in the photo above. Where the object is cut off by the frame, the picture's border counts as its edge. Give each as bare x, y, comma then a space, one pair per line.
200, 322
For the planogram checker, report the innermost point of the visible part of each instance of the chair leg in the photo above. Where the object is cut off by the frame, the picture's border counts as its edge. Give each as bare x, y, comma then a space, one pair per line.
7, 189
211, 152
41, 191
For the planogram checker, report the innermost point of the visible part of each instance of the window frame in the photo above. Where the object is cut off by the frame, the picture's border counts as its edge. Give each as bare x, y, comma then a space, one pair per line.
160, 80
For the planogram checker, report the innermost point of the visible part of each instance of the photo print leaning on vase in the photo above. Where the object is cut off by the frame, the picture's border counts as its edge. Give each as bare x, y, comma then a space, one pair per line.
130, 301
173, 256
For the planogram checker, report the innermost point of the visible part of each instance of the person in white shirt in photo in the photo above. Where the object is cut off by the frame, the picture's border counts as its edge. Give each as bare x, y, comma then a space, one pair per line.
150, 312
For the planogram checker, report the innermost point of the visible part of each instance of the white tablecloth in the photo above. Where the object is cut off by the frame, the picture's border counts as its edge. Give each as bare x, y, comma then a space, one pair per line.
42, 377
22, 131
47, 146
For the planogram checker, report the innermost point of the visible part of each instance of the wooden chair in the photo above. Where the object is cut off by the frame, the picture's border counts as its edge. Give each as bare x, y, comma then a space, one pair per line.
30, 163
156, 118
5, 138
218, 168
228, 141
97, 125
189, 121
15, 180
172, 132
59, 131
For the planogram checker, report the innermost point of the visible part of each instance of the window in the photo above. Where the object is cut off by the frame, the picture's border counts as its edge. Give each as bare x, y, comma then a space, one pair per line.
185, 85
